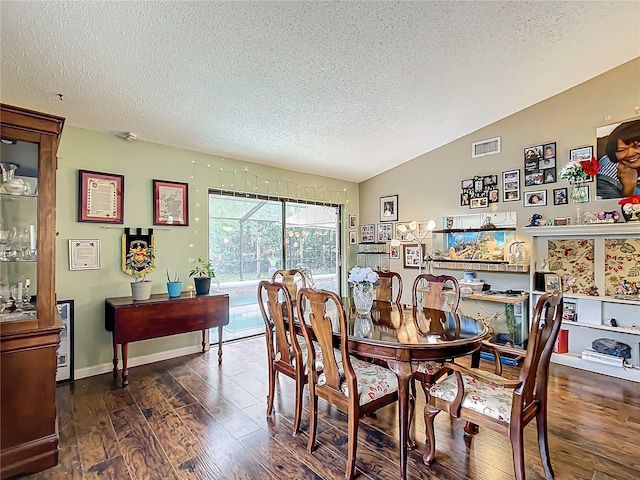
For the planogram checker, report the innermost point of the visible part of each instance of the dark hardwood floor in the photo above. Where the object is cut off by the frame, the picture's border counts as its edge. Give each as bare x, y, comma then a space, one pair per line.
187, 418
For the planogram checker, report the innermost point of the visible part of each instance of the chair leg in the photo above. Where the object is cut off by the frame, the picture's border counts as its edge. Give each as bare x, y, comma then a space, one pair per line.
543, 442
272, 388
352, 435
470, 429
298, 413
429, 417
517, 445
313, 417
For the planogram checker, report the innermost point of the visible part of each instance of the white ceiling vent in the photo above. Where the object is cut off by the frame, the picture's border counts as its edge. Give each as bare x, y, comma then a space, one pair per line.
485, 147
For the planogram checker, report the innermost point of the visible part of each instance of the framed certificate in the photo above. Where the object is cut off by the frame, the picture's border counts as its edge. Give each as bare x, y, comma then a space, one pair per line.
84, 254
101, 197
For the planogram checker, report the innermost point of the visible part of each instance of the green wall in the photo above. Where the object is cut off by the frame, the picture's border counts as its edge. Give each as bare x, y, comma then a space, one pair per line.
140, 162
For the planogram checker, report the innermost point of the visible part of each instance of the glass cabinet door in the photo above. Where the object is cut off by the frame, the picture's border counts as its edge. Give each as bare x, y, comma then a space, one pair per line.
18, 229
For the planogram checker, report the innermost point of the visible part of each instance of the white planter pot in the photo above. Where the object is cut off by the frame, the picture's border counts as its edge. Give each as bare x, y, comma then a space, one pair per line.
141, 290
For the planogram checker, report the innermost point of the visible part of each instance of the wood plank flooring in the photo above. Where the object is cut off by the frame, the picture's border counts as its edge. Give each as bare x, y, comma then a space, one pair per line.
188, 418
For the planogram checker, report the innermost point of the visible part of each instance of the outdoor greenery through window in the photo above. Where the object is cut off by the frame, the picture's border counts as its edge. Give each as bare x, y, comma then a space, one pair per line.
250, 237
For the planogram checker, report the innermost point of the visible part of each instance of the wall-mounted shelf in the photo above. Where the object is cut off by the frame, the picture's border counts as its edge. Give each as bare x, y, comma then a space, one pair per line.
481, 266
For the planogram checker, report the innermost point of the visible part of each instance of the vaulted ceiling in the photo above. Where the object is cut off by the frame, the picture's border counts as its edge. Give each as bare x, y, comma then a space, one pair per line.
341, 89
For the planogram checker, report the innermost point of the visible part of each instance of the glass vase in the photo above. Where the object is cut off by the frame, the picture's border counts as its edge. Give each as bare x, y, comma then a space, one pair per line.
579, 194
363, 294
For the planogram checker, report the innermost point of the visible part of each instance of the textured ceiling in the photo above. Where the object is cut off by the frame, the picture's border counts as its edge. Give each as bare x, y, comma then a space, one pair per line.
347, 90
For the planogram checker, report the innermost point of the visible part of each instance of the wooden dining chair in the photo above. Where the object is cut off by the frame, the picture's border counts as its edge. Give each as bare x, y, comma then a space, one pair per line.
355, 386
286, 353
293, 278
504, 405
384, 291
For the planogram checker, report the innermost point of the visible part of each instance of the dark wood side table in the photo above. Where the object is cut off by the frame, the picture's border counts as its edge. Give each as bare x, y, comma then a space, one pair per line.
161, 316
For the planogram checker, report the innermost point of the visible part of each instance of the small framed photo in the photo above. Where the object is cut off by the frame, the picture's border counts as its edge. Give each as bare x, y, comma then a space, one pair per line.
353, 222
490, 180
384, 232
402, 236
552, 282
394, 251
535, 198
84, 254
494, 196
389, 208
511, 186
466, 184
533, 153
411, 258
479, 202
170, 203
100, 197
581, 154
560, 196
367, 233
550, 151
464, 199
353, 237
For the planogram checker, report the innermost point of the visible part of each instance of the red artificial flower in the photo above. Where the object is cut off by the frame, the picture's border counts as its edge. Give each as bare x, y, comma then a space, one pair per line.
631, 199
590, 167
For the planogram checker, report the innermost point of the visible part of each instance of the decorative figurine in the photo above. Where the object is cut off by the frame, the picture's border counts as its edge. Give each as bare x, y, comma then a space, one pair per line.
535, 220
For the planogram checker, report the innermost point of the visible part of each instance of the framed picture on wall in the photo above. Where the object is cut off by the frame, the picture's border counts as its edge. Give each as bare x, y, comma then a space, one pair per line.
100, 197
560, 196
367, 233
411, 257
394, 251
353, 222
170, 203
511, 186
535, 198
353, 237
65, 349
385, 232
582, 154
389, 208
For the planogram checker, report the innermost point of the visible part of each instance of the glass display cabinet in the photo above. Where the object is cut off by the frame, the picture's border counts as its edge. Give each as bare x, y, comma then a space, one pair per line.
29, 332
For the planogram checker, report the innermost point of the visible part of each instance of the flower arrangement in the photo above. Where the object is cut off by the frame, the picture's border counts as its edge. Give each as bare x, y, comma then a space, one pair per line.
631, 207
363, 275
576, 172
140, 261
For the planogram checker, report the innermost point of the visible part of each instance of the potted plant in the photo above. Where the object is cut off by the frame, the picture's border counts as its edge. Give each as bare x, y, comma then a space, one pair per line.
174, 285
202, 272
140, 262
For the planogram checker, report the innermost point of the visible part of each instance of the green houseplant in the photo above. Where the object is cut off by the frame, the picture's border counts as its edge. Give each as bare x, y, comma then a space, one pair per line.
202, 272
140, 261
174, 285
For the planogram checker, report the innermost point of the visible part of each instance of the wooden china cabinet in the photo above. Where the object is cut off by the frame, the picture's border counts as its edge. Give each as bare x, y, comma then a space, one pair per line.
29, 331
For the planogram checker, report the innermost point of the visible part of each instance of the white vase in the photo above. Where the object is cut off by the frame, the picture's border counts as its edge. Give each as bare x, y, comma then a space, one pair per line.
141, 290
363, 294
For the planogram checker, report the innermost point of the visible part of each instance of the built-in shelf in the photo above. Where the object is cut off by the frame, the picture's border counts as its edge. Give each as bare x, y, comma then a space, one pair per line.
576, 361
595, 298
462, 230
596, 229
480, 266
630, 331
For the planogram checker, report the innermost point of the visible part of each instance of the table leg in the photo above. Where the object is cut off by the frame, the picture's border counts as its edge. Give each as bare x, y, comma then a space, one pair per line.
115, 356
219, 345
204, 333
125, 369
404, 373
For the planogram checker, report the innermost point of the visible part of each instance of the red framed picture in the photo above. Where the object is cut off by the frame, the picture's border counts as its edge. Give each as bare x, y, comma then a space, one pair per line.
101, 197
170, 203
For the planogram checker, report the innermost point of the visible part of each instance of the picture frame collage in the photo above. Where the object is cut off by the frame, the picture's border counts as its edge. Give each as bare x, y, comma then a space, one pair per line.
479, 191
540, 164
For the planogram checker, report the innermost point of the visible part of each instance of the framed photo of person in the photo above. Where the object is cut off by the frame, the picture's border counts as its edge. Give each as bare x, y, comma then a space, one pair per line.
582, 154
551, 282
100, 197
170, 203
394, 251
367, 233
389, 208
511, 186
535, 198
385, 232
411, 257
560, 196
353, 237
353, 221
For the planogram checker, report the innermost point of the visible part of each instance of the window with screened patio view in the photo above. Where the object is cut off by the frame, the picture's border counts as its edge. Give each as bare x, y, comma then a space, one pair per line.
250, 237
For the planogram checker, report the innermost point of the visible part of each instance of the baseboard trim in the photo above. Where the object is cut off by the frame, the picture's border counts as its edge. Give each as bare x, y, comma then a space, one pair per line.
136, 361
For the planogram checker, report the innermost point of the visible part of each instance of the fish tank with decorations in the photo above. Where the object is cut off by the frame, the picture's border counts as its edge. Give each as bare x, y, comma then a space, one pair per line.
488, 239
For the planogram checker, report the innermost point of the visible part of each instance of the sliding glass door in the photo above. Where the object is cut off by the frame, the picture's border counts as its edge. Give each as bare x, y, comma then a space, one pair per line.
250, 237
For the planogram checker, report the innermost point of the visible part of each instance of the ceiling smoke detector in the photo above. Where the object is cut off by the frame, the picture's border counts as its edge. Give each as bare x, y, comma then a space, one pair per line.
128, 136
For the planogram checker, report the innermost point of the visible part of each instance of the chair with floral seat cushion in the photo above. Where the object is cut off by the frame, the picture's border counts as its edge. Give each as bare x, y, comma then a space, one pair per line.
431, 290
501, 404
355, 386
384, 290
286, 353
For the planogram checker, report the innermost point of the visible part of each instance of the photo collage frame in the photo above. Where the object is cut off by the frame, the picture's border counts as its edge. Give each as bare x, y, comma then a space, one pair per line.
479, 191
540, 164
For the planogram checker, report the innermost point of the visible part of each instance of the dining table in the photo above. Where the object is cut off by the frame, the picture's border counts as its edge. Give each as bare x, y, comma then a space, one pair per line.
404, 336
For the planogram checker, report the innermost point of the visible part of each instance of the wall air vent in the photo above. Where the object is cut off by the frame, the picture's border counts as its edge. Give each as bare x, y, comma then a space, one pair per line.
485, 147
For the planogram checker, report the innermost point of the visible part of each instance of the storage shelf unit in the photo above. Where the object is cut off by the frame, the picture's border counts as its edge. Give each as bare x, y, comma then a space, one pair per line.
593, 312
373, 255
481, 266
